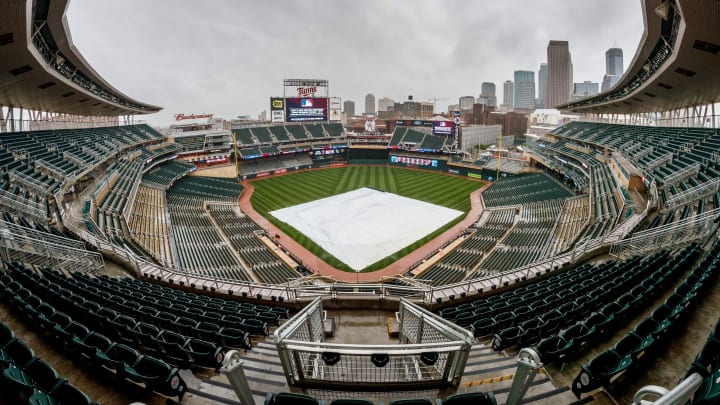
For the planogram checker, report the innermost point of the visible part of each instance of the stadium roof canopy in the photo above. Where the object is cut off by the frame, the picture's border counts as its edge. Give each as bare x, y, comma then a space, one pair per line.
676, 66
42, 70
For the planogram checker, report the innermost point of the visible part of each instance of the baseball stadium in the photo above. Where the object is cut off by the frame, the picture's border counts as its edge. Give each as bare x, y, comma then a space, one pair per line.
302, 261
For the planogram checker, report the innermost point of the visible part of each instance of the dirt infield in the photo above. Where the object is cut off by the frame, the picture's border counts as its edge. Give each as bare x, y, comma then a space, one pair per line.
399, 267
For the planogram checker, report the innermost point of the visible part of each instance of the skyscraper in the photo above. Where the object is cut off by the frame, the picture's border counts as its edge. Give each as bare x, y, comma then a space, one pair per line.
349, 108
508, 94
466, 103
542, 86
584, 90
560, 74
487, 90
613, 67
370, 104
524, 98
384, 103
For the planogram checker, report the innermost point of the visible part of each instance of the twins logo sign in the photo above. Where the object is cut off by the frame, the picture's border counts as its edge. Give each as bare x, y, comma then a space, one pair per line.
306, 91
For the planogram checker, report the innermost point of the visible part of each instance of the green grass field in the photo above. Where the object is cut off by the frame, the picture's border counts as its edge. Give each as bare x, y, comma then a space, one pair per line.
285, 191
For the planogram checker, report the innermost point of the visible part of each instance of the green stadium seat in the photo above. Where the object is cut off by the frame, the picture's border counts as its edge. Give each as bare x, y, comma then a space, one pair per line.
471, 398
289, 398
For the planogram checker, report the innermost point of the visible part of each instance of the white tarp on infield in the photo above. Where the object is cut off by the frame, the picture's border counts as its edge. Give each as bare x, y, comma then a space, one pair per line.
363, 226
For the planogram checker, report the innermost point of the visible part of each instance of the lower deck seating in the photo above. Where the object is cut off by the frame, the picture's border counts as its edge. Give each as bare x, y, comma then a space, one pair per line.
649, 335
27, 378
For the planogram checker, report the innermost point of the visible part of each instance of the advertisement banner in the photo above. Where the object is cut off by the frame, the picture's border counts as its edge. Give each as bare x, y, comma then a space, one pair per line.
413, 161
443, 128
306, 109
277, 104
277, 116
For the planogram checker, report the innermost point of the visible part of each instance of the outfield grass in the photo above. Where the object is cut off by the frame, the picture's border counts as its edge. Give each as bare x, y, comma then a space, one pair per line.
297, 188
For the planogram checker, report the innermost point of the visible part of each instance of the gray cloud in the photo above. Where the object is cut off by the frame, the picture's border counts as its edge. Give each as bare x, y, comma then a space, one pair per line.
228, 57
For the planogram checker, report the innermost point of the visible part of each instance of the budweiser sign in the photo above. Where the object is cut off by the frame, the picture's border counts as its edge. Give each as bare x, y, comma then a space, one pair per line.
180, 117
306, 91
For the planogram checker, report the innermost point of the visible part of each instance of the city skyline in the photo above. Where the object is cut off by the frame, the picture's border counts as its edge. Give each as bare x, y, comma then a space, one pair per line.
192, 59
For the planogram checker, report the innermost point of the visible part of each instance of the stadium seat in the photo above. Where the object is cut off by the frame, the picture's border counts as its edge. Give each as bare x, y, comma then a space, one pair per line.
351, 402
171, 344
235, 338
17, 352
64, 393
156, 375
507, 338
599, 371
92, 342
553, 348
289, 398
6, 334
471, 398
415, 402
204, 354
709, 392
116, 357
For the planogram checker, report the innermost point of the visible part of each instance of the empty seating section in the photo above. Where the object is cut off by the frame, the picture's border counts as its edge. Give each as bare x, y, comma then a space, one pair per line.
197, 242
334, 130
298, 132
27, 378
397, 136
165, 174
523, 189
407, 138
677, 158
132, 329
654, 331
148, 224
241, 231
587, 303
119, 193
33, 165
465, 258
192, 143
245, 137
255, 166
316, 131
280, 133
80, 326
262, 135
527, 241
574, 216
707, 364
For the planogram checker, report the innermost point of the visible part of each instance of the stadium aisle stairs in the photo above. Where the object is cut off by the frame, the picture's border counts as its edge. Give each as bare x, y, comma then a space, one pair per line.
487, 370
263, 372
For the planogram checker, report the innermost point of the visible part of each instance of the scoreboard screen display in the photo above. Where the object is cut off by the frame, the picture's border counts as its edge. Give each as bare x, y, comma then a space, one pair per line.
306, 109
443, 128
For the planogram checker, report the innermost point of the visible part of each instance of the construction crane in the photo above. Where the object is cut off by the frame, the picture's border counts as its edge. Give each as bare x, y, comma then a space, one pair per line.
435, 100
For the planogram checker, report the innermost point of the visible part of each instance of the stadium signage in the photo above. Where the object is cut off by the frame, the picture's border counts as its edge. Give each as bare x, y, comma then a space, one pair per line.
306, 91
180, 117
277, 103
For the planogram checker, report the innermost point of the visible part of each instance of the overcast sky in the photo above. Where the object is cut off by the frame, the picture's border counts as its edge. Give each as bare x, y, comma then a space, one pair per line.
228, 57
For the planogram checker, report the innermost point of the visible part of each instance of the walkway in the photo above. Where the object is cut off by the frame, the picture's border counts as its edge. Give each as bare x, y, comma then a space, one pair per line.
401, 266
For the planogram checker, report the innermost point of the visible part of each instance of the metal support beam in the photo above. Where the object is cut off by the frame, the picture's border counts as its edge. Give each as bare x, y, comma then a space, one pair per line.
232, 368
528, 366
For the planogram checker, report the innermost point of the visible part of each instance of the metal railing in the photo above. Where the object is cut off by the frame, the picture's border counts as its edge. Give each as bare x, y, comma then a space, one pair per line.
681, 394
30, 246
676, 234
682, 174
432, 353
693, 194
23, 205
